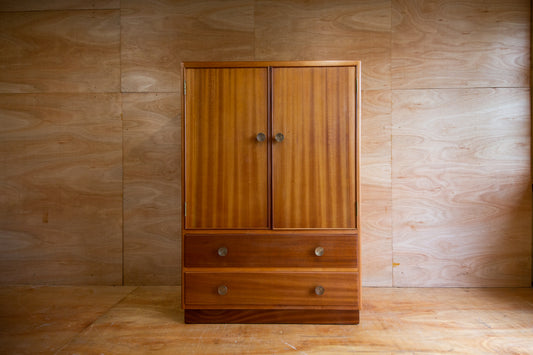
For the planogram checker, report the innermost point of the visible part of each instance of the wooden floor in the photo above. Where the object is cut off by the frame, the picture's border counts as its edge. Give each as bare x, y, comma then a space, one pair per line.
130, 320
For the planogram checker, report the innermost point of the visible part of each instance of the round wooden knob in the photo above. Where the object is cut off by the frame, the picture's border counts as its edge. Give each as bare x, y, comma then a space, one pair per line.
319, 251
260, 137
319, 290
222, 290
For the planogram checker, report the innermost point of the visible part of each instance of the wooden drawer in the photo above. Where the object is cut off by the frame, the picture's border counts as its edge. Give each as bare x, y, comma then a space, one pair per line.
270, 250
263, 289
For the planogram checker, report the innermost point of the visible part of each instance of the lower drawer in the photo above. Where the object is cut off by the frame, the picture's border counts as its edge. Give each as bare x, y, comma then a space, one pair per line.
270, 289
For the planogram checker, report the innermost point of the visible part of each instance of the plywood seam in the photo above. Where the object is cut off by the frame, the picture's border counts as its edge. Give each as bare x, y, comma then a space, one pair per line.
455, 88
122, 132
59, 10
147, 92
390, 183
123, 203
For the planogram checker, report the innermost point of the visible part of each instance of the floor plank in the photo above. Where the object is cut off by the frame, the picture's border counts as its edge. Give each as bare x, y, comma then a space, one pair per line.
42, 319
148, 320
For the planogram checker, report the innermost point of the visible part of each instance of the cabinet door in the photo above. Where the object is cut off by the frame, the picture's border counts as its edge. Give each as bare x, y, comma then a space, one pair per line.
226, 171
313, 171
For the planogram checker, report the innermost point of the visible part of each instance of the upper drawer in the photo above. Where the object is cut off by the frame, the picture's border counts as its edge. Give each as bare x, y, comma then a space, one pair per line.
270, 251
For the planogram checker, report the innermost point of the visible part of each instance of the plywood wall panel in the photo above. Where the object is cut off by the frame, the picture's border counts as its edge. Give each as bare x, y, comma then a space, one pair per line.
60, 189
158, 35
60, 51
461, 187
376, 212
460, 44
39, 5
454, 213
152, 183
322, 30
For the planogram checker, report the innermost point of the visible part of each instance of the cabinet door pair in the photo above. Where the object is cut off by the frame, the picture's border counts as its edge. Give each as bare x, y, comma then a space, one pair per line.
270, 148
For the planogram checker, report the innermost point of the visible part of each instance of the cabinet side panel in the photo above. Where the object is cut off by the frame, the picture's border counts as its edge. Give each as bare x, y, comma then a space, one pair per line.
226, 180
313, 174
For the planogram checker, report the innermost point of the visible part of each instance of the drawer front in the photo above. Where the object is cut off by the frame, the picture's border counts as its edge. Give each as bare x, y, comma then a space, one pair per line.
270, 250
248, 289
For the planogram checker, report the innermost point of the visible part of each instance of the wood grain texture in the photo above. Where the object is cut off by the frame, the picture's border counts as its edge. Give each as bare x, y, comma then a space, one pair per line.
276, 290
39, 5
152, 183
270, 250
460, 44
60, 189
461, 187
60, 51
158, 35
376, 190
393, 321
431, 44
266, 316
41, 319
320, 30
226, 172
313, 168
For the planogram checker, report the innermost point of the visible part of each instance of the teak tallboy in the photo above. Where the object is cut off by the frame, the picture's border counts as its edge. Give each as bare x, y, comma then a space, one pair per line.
270, 156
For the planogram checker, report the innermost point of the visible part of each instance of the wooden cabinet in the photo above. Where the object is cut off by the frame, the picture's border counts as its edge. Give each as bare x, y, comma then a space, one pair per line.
270, 166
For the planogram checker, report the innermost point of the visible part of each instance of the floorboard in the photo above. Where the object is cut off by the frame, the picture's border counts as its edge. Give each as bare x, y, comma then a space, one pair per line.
143, 320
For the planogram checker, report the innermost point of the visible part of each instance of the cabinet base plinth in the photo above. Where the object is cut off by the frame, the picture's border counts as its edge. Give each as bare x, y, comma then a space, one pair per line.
262, 316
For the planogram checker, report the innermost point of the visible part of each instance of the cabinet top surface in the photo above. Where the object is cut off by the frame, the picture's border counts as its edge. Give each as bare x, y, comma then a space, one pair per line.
259, 64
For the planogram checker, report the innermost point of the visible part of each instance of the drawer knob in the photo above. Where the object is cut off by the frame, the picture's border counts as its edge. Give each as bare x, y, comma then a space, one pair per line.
222, 290
222, 251
319, 290
260, 137
319, 251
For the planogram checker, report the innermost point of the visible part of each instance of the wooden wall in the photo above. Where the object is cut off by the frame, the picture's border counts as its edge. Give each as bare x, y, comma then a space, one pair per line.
90, 131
